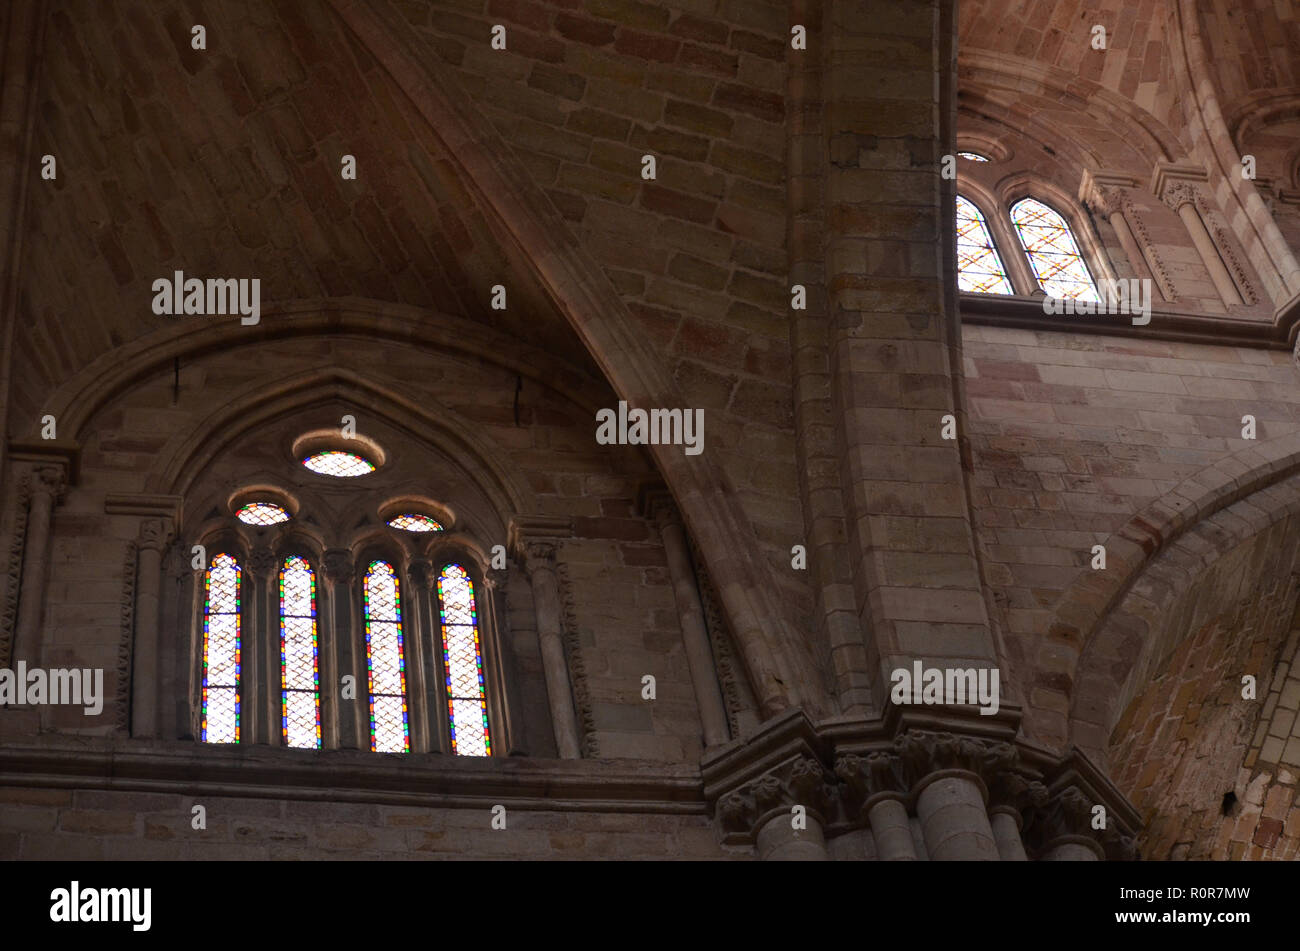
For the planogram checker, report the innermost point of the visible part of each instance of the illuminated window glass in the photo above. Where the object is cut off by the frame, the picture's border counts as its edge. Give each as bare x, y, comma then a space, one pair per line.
973, 156
336, 463
415, 523
1053, 253
299, 657
463, 663
262, 513
979, 269
385, 661
220, 720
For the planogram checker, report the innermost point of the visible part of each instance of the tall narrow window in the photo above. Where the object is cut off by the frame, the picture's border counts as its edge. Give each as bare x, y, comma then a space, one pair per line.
463, 662
220, 720
386, 661
1052, 251
979, 268
299, 657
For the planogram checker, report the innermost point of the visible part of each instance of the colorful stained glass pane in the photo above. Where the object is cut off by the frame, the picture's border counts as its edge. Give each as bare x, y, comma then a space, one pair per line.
262, 513
973, 156
219, 722
299, 656
415, 523
463, 664
385, 661
979, 268
335, 463
1053, 253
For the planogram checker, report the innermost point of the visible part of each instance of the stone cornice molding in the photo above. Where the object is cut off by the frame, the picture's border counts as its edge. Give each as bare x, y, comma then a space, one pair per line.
146, 505
1103, 192
1184, 178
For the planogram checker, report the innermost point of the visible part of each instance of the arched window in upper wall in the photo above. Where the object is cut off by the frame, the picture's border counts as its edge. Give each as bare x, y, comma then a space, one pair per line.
1053, 253
299, 655
220, 710
979, 268
385, 661
462, 655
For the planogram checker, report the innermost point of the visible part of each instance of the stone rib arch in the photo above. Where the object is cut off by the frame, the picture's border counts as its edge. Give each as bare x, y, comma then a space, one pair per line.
1189, 521
528, 226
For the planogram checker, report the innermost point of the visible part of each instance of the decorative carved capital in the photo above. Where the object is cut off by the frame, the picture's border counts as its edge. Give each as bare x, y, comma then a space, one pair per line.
155, 534
1072, 814
1105, 193
923, 753
802, 781
421, 574
538, 554
496, 578
262, 562
338, 566
865, 777
1177, 194
50, 481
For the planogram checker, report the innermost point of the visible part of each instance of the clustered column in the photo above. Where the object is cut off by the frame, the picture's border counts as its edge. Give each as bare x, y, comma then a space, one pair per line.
538, 556
155, 534
47, 484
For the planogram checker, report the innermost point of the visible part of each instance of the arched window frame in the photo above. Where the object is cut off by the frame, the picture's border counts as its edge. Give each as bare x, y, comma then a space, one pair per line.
382, 550
283, 557
1080, 222
217, 543
497, 676
998, 247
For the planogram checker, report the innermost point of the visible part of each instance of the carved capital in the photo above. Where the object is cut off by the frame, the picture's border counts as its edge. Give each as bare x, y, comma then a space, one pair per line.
50, 481
421, 574
802, 781
338, 566
866, 777
496, 579
538, 554
1105, 193
923, 753
1179, 193
1071, 814
261, 562
155, 534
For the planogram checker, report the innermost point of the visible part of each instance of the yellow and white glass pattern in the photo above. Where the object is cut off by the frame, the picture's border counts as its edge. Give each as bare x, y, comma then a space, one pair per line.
1053, 253
463, 663
299, 659
333, 462
385, 661
979, 268
219, 722
410, 522
262, 513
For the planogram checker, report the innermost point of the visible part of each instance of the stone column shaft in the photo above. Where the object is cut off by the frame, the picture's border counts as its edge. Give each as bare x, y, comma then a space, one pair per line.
46, 486
695, 636
778, 841
154, 534
353, 715
1209, 253
891, 831
1006, 832
546, 602
954, 821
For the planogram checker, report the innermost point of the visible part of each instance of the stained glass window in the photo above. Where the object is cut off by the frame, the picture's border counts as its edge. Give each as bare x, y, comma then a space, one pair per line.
973, 156
1052, 251
386, 661
299, 657
334, 462
979, 268
262, 513
415, 523
220, 719
463, 662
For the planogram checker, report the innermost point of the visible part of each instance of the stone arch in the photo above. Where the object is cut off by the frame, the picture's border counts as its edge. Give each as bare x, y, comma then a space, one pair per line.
1110, 626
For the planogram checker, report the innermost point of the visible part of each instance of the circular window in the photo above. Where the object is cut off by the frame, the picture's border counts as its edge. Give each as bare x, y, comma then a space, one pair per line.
973, 156
410, 522
333, 462
262, 513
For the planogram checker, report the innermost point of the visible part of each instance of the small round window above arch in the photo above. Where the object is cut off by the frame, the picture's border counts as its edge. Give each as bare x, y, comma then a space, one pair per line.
414, 522
340, 464
973, 156
262, 513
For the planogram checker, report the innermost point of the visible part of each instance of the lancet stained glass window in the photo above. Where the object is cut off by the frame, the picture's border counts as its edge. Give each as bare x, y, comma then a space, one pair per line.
979, 268
1053, 253
385, 661
220, 716
333, 462
463, 663
299, 655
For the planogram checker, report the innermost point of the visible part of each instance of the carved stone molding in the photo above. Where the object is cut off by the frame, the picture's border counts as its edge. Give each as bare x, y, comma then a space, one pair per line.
801, 781
1069, 816
577, 666
736, 694
1134, 218
534, 539
126, 643
262, 562
924, 754
1180, 193
868, 778
155, 534
9, 607
421, 574
1223, 242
